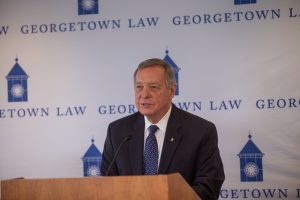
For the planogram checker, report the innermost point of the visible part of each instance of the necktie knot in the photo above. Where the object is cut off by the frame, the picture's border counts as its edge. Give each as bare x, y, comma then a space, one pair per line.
152, 129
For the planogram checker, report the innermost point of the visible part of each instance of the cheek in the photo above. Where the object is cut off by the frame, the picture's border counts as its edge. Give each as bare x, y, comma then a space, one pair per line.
136, 95
161, 99
136, 100
165, 96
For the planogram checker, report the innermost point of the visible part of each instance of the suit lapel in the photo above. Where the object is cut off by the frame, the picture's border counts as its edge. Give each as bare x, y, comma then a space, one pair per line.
171, 141
136, 146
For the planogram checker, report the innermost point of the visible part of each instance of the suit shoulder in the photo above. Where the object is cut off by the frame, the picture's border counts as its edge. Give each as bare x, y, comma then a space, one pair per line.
192, 118
125, 120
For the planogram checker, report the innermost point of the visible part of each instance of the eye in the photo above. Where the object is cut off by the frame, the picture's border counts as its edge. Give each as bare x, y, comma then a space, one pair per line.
138, 87
154, 87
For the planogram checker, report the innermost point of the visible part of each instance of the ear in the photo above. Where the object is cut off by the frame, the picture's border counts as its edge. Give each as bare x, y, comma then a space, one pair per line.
173, 90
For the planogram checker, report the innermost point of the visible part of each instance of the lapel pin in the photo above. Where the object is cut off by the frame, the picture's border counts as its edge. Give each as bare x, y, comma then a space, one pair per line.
172, 139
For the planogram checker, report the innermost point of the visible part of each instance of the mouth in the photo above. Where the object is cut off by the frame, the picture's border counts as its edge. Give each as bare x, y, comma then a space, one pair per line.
145, 104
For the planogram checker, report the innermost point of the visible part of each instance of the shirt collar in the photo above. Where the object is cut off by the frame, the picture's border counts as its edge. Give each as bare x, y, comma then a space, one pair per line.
162, 124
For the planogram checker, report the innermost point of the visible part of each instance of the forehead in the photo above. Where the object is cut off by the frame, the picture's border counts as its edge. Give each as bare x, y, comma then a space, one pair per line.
154, 73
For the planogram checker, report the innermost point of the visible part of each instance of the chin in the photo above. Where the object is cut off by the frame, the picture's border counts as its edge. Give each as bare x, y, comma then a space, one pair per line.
146, 112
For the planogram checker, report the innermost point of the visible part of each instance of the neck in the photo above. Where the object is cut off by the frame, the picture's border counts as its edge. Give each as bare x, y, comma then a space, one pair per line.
154, 119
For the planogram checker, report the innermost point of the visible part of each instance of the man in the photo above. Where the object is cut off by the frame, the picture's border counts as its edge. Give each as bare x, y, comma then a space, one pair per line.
185, 143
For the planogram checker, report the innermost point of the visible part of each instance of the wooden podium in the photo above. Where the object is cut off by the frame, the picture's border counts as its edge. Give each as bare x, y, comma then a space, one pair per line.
160, 187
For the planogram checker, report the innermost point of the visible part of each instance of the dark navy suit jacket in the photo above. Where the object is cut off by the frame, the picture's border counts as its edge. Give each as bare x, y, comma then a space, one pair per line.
190, 148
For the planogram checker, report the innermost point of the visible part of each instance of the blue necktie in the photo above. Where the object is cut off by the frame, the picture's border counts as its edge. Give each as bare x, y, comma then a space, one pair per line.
151, 152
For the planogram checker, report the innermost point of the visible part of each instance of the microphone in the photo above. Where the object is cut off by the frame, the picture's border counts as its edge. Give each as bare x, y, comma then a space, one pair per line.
127, 138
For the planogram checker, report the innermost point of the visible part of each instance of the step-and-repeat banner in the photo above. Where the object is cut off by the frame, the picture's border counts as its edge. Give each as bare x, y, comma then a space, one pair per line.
66, 71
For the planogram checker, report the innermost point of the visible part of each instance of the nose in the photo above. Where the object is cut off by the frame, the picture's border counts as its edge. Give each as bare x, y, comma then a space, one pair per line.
145, 92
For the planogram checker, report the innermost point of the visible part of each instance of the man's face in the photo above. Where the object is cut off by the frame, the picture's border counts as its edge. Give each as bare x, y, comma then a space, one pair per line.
152, 96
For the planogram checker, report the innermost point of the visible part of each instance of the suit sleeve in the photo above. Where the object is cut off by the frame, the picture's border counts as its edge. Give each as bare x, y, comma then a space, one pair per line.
209, 175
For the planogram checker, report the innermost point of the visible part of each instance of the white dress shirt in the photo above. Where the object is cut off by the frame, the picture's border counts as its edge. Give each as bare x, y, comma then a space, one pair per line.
160, 133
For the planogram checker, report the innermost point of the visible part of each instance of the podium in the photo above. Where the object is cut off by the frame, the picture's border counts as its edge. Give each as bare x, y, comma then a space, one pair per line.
160, 187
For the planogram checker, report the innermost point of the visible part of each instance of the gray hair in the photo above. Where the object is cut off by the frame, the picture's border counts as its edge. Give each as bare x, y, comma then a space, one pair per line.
169, 72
